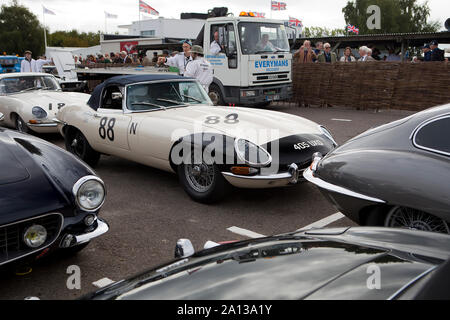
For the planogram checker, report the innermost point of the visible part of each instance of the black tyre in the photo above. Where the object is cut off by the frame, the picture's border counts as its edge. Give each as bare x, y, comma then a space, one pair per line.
21, 125
203, 183
216, 95
77, 144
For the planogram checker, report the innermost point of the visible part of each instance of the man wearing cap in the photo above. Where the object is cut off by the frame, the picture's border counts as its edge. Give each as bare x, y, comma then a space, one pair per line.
180, 60
436, 53
200, 68
28, 64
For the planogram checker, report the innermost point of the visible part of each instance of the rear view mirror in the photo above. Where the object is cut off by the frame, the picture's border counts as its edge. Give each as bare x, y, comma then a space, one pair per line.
116, 96
2, 117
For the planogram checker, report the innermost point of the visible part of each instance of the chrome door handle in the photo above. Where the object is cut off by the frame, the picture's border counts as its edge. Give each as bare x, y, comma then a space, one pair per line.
96, 115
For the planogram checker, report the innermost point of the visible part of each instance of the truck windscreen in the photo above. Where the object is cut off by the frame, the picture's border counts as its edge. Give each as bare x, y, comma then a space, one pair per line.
8, 62
263, 38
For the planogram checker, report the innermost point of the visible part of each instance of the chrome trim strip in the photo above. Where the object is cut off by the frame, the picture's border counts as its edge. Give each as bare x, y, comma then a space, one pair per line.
42, 125
77, 186
102, 228
421, 126
39, 249
406, 286
308, 175
279, 176
57, 121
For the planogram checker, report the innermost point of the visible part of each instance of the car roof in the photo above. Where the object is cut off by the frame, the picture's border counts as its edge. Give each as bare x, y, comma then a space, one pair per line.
23, 74
94, 101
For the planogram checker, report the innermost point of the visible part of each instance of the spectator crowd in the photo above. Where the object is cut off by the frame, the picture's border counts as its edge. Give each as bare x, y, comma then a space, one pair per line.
322, 53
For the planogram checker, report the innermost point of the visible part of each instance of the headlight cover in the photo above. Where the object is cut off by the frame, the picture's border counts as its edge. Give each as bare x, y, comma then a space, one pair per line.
252, 154
39, 113
35, 236
89, 193
328, 135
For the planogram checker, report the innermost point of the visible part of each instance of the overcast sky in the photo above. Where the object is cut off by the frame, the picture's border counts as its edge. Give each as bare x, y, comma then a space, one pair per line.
88, 15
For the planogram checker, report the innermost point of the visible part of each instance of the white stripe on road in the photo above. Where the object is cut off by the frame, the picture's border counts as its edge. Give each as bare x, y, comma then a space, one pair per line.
324, 222
245, 233
102, 283
343, 120
316, 225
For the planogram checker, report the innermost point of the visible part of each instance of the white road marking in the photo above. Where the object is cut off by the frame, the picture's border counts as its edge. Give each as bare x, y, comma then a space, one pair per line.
245, 233
316, 225
324, 222
343, 120
102, 282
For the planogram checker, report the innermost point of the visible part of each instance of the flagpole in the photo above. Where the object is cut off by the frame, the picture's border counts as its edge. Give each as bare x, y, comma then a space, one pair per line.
45, 31
106, 28
139, 7
270, 9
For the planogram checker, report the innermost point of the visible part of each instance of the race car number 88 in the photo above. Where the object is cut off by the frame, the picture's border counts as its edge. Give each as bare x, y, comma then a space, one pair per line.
107, 128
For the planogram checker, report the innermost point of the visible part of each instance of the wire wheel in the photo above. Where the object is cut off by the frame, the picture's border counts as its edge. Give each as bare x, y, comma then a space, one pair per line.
21, 125
77, 145
200, 176
400, 217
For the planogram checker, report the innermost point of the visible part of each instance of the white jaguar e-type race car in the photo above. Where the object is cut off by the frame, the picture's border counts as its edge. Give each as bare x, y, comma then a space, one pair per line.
169, 122
29, 101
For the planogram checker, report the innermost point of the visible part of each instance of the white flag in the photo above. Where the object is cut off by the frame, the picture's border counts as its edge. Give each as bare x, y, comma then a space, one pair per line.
110, 16
46, 11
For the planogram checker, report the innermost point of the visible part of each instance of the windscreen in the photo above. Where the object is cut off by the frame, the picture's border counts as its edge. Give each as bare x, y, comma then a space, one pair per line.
263, 38
28, 83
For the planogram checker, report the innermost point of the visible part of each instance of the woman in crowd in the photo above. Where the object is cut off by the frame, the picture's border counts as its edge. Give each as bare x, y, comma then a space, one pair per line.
348, 56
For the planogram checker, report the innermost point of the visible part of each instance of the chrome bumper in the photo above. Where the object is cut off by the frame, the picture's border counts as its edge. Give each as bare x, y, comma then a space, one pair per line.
42, 125
291, 177
308, 175
70, 240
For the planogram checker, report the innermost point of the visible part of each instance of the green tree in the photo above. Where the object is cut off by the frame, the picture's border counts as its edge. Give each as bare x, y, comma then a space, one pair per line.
20, 30
397, 16
315, 32
73, 39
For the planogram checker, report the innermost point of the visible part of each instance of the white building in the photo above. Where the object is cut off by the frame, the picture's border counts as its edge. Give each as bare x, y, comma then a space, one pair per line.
165, 28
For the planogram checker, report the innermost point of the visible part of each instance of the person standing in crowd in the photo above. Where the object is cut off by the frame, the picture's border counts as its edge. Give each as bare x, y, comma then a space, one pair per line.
392, 57
436, 53
305, 54
327, 56
369, 55
216, 48
107, 59
28, 64
179, 61
199, 68
426, 53
348, 56
319, 48
155, 57
41, 62
364, 54
124, 58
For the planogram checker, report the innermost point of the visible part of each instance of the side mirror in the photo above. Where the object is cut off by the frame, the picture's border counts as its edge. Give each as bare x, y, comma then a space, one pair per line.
117, 96
2, 117
184, 249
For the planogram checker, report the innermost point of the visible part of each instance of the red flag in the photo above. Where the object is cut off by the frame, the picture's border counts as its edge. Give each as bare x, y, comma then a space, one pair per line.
143, 7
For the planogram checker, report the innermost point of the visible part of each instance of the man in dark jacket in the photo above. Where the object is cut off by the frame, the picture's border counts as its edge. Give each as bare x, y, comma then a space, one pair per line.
436, 53
426, 53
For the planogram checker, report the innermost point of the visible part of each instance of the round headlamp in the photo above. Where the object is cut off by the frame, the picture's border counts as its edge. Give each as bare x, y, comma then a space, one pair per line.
252, 154
35, 236
328, 135
89, 193
39, 113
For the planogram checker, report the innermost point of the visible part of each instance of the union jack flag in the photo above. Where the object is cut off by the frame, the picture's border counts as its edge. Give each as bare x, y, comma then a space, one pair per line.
351, 28
259, 14
294, 22
277, 6
143, 7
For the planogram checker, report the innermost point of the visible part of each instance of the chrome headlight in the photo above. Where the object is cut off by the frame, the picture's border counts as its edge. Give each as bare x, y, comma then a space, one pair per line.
328, 135
252, 154
89, 193
39, 113
35, 236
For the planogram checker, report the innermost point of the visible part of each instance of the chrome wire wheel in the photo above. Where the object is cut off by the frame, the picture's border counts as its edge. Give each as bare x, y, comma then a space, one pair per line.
200, 176
77, 145
412, 219
20, 125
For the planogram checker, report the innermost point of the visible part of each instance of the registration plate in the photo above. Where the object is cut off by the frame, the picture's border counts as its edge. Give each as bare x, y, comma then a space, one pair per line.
273, 98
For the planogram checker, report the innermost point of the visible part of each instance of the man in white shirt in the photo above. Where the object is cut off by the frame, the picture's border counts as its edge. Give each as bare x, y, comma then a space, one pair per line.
200, 68
179, 61
216, 48
264, 44
42, 61
28, 64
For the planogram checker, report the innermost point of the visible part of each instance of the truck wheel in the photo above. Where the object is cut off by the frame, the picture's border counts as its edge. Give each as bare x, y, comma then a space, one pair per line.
203, 183
216, 95
77, 144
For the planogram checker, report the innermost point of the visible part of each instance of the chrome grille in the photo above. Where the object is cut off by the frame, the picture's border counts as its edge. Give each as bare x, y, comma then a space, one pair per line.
12, 246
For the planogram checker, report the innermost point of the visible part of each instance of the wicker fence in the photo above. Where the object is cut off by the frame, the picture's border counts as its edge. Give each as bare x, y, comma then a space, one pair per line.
373, 85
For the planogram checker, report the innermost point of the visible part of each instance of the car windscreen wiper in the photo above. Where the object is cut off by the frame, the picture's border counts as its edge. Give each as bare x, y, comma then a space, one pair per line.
195, 99
263, 51
177, 103
148, 104
30, 89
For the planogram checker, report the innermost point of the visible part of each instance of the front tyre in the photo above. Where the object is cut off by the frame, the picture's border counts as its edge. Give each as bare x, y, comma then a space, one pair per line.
203, 183
215, 94
77, 144
21, 125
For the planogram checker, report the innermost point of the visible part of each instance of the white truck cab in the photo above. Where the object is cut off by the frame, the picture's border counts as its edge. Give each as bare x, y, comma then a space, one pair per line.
255, 63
